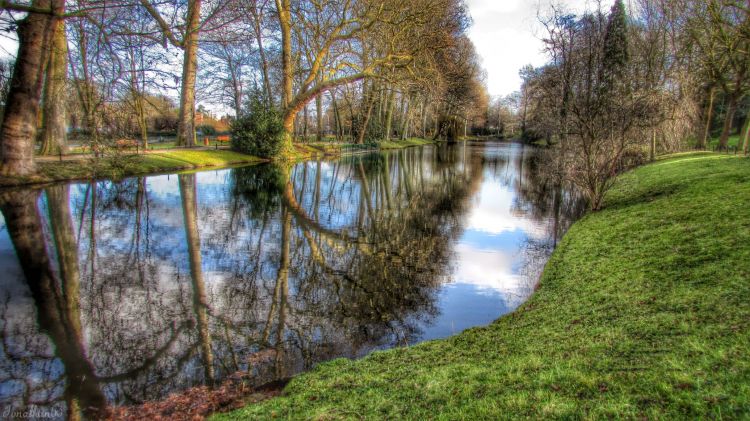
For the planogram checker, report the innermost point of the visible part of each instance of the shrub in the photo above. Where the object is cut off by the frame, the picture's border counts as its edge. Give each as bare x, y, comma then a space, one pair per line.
260, 186
207, 130
259, 131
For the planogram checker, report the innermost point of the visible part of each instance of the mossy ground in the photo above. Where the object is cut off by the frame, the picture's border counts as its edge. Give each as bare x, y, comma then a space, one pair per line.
643, 311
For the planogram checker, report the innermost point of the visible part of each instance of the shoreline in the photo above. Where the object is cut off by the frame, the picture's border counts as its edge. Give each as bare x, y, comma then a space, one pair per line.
81, 167
568, 351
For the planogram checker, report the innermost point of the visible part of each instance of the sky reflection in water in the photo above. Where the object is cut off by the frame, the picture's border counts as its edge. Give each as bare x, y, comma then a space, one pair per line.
161, 283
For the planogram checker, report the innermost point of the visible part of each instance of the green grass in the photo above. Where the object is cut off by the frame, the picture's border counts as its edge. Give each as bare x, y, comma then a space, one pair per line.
85, 150
118, 166
643, 311
333, 148
398, 144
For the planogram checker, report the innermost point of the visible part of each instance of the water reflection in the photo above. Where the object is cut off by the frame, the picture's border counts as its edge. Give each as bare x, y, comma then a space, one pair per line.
118, 293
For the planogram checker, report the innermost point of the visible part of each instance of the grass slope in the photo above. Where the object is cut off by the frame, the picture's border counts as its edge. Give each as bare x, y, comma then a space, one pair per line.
642, 311
126, 165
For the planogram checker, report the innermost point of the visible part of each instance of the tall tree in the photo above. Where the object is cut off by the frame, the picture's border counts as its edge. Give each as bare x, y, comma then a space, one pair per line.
721, 31
19, 125
53, 135
184, 34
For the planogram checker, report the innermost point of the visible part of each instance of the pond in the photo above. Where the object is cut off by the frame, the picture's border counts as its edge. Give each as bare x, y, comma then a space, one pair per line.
124, 292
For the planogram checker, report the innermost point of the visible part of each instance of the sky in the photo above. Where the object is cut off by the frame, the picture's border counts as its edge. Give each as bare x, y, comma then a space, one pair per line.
507, 36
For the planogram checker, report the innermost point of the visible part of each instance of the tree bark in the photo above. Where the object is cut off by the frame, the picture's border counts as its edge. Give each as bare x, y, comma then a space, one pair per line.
304, 124
257, 18
728, 120
18, 130
337, 117
53, 135
746, 134
389, 112
406, 117
186, 124
319, 118
652, 149
709, 115
287, 72
365, 122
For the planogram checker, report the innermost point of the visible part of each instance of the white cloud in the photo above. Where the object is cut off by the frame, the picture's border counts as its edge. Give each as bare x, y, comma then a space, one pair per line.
494, 215
491, 272
506, 35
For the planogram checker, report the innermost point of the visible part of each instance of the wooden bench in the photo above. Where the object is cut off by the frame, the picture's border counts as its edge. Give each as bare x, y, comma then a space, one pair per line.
122, 144
221, 138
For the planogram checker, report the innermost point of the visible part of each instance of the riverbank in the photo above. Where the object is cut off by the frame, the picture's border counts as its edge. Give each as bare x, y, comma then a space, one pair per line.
124, 164
121, 165
642, 311
406, 143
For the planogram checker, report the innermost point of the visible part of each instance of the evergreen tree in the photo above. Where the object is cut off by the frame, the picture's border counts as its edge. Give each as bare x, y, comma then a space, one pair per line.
616, 57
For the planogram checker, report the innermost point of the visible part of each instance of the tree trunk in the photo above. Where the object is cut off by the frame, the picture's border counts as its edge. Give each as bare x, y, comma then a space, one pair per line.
282, 280
390, 99
58, 199
18, 130
709, 115
336, 117
423, 117
287, 71
365, 122
257, 19
86, 89
186, 124
746, 134
200, 306
319, 117
728, 119
405, 118
304, 124
54, 316
53, 135
652, 149
142, 123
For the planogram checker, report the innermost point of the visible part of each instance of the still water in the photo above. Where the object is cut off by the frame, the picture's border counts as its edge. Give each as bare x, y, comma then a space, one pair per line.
123, 292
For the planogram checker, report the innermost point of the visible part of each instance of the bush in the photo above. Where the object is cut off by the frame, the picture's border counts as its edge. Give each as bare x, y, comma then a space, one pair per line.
259, 131
207, 130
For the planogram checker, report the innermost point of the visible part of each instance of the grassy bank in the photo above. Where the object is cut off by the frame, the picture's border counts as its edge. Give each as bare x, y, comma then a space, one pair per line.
642, 311
127, 165
406, 143
333, 148
86, 166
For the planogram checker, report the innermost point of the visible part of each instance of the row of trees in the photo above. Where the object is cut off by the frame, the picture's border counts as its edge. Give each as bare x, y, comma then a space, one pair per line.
373, 69
627, 84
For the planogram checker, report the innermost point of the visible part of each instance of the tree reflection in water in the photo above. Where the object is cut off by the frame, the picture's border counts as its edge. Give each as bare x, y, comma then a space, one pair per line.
128, 291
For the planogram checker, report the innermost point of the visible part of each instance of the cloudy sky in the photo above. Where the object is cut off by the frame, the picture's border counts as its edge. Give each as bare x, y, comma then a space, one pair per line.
507, 36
